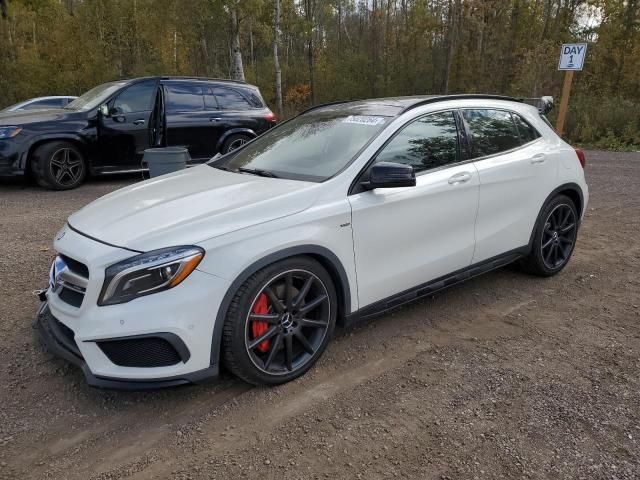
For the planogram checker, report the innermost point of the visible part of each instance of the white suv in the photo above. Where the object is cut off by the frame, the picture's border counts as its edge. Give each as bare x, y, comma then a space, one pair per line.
341, 213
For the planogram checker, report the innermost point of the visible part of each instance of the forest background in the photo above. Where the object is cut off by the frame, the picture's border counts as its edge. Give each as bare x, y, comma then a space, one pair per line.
304, 52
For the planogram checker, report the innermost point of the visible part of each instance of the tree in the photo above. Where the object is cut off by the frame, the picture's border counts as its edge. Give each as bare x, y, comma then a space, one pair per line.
237, 69
276, 60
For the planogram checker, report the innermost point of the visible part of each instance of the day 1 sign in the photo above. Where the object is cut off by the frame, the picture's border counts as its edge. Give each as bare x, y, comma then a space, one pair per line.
572, 56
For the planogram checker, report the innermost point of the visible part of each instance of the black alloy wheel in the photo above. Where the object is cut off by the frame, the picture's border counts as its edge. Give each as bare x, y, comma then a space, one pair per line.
558, 236
58, 165
293, 325
287, 316
66, 166
554, 237
234, 142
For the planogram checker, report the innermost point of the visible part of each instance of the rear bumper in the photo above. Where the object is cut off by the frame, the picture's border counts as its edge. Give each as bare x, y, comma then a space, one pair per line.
59, 340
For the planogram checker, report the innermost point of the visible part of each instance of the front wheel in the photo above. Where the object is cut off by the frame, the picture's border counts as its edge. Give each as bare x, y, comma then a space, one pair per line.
279, 322
554, 238
58, 166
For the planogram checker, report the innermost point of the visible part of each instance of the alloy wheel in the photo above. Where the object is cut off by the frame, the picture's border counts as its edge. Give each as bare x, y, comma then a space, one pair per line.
287, 322
66, 166
237, 143
558, 236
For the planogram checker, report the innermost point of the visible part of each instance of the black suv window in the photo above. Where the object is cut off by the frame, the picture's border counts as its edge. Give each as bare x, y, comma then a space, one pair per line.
184, 98
527, 132
492, 131
136, 98
428, 142
230, 99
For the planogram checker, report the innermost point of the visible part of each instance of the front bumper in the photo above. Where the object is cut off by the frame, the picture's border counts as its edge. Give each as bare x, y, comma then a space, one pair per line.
60, 341
12, 158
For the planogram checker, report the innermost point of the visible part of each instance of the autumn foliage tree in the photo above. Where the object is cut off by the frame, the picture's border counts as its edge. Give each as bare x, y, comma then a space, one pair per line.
325, 50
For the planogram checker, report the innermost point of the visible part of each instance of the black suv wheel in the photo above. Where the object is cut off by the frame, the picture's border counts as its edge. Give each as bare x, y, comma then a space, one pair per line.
234, 142
279, 322
58, 166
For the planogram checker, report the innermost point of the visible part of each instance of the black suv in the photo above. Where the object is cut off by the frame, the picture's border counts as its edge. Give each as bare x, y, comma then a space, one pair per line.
107, 129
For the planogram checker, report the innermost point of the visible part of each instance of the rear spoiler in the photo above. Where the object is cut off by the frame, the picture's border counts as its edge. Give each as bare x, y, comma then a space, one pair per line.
543, 104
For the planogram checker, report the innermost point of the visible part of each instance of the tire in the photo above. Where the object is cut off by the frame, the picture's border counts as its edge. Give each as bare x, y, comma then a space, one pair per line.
58, 166
295, 327
234, 141
554, 238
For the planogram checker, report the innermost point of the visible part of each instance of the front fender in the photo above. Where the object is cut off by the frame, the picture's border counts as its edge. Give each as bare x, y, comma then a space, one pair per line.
84, 141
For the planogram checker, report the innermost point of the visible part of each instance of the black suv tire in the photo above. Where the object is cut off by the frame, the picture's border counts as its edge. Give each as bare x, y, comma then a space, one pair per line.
234, 141
58, 165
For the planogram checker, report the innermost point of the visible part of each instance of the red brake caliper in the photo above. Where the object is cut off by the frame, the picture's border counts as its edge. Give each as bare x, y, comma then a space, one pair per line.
261, 307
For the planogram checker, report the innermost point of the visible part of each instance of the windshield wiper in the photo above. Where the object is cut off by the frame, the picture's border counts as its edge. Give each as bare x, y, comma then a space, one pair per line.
257, 171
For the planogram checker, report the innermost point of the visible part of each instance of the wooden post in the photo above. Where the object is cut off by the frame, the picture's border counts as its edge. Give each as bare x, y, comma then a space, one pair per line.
564, 102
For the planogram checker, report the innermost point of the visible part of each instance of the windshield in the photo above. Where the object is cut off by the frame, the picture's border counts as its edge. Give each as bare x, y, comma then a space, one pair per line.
94, 97
312, 147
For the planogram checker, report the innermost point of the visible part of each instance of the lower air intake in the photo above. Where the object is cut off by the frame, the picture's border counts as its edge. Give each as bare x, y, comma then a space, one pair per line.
141, 352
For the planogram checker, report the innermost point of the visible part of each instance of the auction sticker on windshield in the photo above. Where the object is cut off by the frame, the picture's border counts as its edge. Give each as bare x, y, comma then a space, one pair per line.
364, 119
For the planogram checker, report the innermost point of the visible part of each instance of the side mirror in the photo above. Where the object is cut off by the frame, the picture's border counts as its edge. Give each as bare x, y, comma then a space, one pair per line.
104, 110
391, 175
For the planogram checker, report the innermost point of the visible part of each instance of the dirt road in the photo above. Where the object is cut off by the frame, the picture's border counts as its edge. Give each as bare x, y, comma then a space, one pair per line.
506, 376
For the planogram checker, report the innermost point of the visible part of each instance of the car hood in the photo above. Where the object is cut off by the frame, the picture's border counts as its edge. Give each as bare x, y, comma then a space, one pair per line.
188, 207
27, 117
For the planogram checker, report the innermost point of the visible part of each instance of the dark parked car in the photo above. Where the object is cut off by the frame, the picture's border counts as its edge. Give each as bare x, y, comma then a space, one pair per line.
40, 103
107, 129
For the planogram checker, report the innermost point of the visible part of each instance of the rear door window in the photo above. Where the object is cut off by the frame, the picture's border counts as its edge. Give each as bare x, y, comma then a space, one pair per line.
230, 99
184, 98
492, 131
210, 102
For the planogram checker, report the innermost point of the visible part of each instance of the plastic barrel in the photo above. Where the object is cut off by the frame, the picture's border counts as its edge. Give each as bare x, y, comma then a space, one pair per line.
165, 160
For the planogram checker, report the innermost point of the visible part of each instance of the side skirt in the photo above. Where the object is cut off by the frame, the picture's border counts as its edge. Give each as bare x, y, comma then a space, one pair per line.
428, 288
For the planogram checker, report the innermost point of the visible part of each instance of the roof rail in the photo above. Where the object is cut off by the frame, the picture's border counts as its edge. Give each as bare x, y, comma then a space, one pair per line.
186, 77
464, 96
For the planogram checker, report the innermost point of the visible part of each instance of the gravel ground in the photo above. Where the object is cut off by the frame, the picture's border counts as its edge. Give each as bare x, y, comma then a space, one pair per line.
506, 376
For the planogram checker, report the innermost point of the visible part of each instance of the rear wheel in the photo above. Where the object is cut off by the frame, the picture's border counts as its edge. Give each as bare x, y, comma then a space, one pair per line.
554, 238
279, 322
58, 166
234, 142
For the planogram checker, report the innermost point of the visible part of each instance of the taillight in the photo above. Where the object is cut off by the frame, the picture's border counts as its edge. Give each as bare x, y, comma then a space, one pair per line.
581, 156
270, 117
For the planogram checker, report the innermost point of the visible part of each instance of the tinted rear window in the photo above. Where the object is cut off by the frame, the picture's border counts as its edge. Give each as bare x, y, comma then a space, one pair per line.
492, 131
230, 99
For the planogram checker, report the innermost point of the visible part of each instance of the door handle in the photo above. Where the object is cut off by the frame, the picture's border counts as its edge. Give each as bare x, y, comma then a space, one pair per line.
538, 158
140, 121
459, 178
215, 119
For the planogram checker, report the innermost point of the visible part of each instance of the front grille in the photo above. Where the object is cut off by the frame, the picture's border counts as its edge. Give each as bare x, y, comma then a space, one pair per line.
72, 297
140, 352
76, 267
71, 281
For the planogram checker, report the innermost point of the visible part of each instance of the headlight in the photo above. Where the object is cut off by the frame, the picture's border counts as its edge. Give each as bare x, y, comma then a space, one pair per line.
148, 273
9, 132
